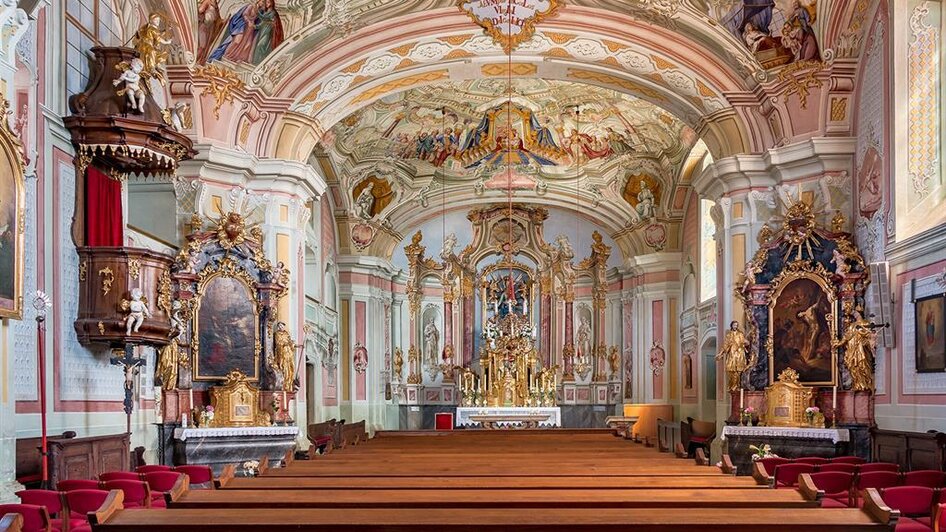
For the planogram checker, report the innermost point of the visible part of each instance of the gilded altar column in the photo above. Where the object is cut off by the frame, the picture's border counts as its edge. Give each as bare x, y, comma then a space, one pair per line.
545, 320
448, 325
569, 351
468, 313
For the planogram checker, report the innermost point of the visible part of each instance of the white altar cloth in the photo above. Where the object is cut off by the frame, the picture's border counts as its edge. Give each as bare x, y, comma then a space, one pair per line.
464, 413
223, 432
810, 433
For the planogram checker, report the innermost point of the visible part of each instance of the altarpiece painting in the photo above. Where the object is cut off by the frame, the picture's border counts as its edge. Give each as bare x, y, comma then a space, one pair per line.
802, 329
227, 324
12, 221
930, 324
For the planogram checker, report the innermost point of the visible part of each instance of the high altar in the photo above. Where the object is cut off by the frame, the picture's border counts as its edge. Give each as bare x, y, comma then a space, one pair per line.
504, 343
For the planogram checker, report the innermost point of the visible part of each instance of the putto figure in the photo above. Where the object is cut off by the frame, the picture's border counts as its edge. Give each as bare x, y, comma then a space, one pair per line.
137, 312
133, 91
733, 355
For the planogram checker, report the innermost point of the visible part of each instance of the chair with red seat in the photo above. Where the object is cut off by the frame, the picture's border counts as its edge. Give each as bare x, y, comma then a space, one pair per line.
769, 464
55, 504
877, 480
786, 475
137, 492
814, 460
82, 502
153, 468
856, 460
119, 475
831, 466
161, 482
879, 466
199, 476
77, 484
35, 517
836, 486
931, 478
915, 504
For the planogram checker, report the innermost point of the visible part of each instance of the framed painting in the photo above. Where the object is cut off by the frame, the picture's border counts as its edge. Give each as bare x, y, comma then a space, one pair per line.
12, 222
930, 326
802, 324
226, 329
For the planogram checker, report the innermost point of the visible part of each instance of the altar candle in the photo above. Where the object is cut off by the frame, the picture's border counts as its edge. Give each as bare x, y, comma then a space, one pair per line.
834, 398
191, 394
742, 398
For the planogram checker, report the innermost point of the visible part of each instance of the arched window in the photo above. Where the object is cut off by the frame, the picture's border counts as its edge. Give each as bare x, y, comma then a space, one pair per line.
88, 23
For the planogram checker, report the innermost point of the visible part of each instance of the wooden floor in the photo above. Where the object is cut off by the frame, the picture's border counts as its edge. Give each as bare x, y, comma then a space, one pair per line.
495, 480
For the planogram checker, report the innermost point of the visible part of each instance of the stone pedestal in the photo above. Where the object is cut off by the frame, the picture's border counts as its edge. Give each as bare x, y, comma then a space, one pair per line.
218, 447
786, 442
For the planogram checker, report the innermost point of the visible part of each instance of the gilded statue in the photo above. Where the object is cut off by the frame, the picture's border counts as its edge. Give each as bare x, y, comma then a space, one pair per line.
284, 360
733, 355
859, 342
398, 364
168, 362
613, 361
151, 42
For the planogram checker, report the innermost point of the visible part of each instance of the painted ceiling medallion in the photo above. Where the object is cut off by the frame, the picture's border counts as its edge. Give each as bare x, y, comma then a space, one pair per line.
509, 22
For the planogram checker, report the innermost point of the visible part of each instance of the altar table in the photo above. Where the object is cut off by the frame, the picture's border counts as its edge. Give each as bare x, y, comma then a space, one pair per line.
787, 442
219, 446
543, 416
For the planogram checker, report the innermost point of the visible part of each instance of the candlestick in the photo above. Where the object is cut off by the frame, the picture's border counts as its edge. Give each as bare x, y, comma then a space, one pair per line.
742, 399
834, 399
191, 394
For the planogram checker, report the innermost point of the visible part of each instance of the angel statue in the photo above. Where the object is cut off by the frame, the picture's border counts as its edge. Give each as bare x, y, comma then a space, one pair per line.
131, 73
733, 355
564, 247
178, 117
449, 243
285, 360
137, 311
859, 342
151, 43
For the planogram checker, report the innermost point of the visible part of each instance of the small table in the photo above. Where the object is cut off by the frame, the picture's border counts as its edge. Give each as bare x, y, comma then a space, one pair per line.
219, 446
506, 416
787, 442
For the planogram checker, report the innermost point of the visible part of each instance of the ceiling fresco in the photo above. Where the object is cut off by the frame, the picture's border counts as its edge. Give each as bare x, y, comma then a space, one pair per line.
469, 127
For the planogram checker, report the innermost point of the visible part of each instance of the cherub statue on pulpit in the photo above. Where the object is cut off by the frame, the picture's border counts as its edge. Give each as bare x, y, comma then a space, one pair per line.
733, 355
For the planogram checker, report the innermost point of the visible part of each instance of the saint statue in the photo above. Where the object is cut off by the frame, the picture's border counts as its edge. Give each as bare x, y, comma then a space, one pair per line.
284, 360
564, 247
859, 342
398, 364
645, 202
167, 365
432, 342
151, 43
365, 202
449, 244
733, 355
584, 337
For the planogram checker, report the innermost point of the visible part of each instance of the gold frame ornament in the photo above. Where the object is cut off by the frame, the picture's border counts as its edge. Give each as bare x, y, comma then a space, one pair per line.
12, 150
495, 27
228, 269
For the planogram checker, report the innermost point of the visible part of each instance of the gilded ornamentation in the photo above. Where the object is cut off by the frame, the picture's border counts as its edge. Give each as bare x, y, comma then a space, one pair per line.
164, 292
801, 78
786, 400
223, 84
134, 268
168, 364
231, 231
859, 342
838, 222
108, 277
397, 364
413, 362
83, 270
236, 403
151, 43
101, 327
284, 356
838, 109
178, 117
527, 16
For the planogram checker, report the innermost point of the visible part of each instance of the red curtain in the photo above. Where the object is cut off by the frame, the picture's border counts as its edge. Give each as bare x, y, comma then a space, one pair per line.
103, 209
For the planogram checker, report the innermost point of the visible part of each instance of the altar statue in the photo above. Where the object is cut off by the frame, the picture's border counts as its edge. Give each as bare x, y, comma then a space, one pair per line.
733, 355
398, 364
137, 311
645, 202
151, 43
365, 202
284, 360
584, 337
859, 342
449, 244
168, 362
432, 342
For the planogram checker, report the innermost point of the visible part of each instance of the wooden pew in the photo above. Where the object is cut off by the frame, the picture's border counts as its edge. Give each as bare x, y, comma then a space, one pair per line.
11, 523
465, 519
512, 498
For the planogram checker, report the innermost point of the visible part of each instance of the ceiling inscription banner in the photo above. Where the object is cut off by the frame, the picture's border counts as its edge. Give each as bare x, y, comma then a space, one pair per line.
509, 22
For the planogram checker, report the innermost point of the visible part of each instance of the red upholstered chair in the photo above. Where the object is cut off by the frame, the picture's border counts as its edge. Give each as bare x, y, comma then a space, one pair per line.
931, 478
815, 460
879, 466
915, 504
836, 486
137, 492
831, 466
198, 475
78, 484
35, 517
856, 460
161, 482
119, 475
54, 502
153, 468
81, 502
939, 517
786, 475
771, 463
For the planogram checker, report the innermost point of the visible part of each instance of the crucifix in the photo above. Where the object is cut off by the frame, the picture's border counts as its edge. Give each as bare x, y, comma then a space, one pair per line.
130, 365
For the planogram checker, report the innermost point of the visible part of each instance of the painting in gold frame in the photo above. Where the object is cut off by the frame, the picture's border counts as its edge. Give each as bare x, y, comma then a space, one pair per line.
801, 327
12, 220
226, 325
